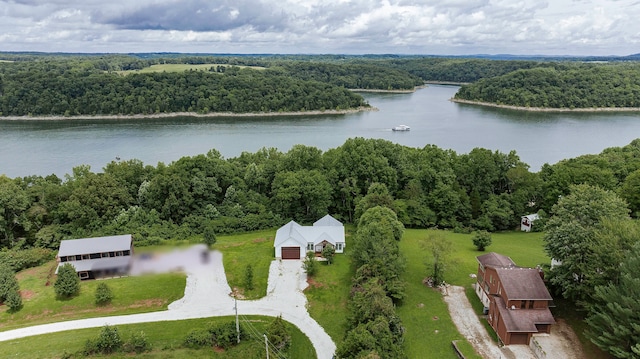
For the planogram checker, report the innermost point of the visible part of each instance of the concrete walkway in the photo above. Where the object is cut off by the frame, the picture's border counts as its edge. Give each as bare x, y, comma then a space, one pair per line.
207, 295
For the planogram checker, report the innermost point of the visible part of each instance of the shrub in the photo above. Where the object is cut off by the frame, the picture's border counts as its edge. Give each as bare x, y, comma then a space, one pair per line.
248, 277
328, 253
19, 259
224, 335
107, 342
137, 343
310, 264
68, 283
209, 235
104, 295
482, 240
14, 301
198, 338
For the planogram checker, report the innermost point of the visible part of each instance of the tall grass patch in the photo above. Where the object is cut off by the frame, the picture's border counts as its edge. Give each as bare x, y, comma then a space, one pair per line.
239, 251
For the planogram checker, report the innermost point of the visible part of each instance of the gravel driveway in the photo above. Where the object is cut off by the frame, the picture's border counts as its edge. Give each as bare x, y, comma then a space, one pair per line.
207, 295
560, 344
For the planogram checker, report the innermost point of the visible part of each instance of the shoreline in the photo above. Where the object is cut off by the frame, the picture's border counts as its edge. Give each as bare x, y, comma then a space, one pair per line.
186, 114
547, 109
390, 91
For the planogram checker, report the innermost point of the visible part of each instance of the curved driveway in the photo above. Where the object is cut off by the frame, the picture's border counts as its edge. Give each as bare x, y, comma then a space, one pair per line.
207, 295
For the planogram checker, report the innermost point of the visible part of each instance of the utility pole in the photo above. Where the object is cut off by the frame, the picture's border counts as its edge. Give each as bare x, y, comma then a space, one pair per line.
237, 322
266, 345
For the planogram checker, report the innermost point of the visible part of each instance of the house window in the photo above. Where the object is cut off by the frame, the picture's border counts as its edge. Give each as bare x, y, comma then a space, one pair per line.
119, 254
523, 304
339, 246
63, 259
126, 253
83, 275
310, 246
85, 256
78, 257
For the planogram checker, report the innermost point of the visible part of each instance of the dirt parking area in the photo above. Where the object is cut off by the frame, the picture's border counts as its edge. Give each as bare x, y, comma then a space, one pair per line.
561, 343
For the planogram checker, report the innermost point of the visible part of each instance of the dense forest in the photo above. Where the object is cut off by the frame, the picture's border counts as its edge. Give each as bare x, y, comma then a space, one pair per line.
430, 187
566, 87
94, 85
37, 89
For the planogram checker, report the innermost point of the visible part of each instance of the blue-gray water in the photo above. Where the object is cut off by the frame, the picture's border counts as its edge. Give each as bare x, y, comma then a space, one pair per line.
45, 147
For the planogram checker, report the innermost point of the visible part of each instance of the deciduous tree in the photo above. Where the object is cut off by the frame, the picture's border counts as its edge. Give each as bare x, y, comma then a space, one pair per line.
571, 238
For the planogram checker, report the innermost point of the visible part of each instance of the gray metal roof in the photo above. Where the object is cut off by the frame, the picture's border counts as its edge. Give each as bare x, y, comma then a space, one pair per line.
95, 245
327, 221
310, 234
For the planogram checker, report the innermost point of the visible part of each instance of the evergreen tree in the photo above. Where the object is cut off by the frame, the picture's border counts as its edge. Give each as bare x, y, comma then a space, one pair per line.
614, 321
8, 282
68, 282
278, 334
104, 295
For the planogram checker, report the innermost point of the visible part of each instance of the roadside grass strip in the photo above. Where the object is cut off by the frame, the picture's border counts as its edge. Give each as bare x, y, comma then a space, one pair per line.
165, 338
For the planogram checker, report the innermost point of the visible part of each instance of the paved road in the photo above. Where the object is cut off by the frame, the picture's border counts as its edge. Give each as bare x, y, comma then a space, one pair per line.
207, 295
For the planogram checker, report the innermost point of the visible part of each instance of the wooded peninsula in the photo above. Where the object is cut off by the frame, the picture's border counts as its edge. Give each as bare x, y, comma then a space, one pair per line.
46, 86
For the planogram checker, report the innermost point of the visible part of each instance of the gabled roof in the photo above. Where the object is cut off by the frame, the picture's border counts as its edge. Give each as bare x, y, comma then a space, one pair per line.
95, 245
327, 221
531, 217
523, 320
523, 284
495, 260
311, 234
289, 230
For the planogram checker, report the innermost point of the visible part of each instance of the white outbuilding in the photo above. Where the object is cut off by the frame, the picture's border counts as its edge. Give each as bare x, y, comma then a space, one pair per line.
526, 223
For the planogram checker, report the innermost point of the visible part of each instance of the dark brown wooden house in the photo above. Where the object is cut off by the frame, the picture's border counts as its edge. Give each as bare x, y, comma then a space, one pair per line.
516, 299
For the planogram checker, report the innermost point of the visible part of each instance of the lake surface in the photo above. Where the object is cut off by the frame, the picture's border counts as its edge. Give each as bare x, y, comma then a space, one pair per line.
46, 147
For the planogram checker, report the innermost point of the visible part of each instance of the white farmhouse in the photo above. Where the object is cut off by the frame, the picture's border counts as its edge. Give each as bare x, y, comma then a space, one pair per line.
293, 241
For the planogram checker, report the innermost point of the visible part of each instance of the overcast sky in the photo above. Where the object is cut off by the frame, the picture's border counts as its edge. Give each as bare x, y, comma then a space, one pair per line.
443, 27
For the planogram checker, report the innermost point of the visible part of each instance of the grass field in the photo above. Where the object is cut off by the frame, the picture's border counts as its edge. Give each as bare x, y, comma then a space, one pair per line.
429, 329
165, 338
41, 306
241, 250
181, 68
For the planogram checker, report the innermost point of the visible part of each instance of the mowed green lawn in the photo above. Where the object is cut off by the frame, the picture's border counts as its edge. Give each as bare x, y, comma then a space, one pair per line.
165, 338
182, 68
424, 313
429, 329
131, 295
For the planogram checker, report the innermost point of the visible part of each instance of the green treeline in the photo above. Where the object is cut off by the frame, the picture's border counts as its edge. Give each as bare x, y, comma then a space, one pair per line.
50, 84
429, 187
567, 87
354, 75
460, 70
43, 89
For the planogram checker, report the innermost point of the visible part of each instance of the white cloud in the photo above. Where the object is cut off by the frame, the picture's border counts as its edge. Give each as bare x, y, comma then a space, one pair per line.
321, 26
